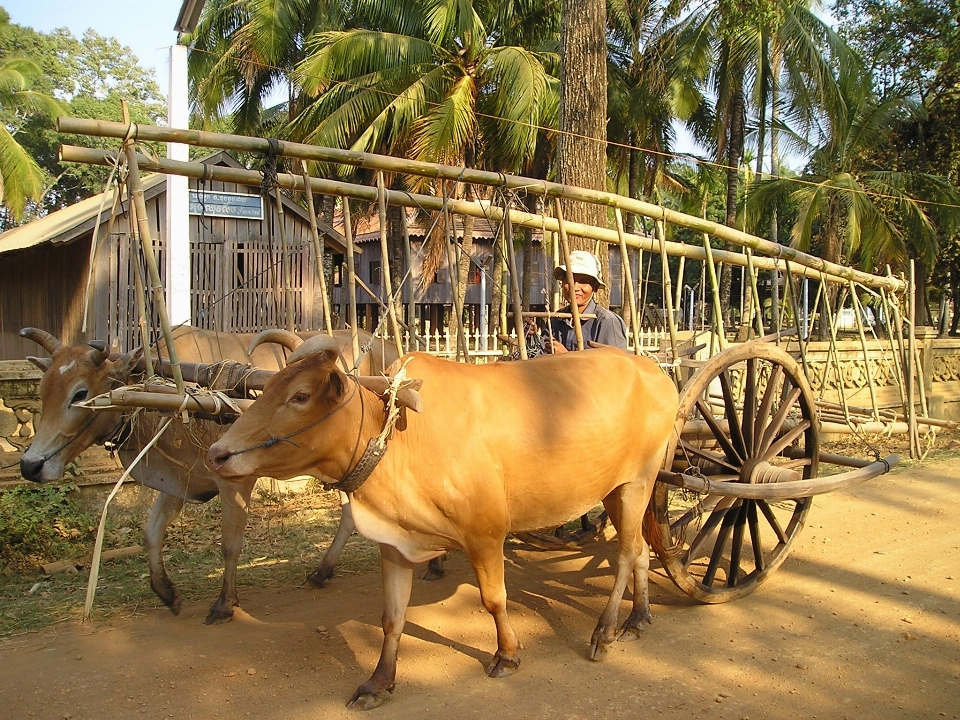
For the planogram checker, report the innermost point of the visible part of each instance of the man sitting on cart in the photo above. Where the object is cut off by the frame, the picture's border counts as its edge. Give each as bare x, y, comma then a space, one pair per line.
607, 328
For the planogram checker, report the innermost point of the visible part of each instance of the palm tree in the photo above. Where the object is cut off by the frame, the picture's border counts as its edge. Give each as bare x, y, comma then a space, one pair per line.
21, 179
749, 55
440, 81
245, 51
854, 210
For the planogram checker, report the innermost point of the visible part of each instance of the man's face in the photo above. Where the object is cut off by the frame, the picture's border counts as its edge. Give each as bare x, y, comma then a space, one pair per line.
582, 290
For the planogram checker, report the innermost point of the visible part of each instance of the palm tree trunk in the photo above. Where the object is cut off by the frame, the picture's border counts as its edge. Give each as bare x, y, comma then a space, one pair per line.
581, 146
734, 154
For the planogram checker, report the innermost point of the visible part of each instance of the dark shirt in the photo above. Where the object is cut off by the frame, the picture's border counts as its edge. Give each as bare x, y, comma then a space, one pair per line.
607, 328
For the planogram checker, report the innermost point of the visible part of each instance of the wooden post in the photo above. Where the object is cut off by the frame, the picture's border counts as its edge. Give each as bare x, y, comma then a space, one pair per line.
628, 277
565, 249
288, 303
834, 354
678, 298
351, 278
317, 250
385, 263
146, 245
889, 313
801, 341
514, 286
408, 275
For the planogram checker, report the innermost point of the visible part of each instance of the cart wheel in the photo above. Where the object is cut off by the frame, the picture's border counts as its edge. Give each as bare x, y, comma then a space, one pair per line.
740, 416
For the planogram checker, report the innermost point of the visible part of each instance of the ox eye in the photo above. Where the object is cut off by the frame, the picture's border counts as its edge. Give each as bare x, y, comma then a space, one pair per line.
79, 396
300, 397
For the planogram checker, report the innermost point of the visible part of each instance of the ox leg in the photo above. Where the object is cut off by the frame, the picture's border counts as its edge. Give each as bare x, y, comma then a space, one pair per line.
625, 507
487, 563
235, 504
324, 571
397, 583
164, 511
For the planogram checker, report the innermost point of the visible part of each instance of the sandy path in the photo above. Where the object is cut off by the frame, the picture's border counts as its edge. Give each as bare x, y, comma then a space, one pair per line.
862, 621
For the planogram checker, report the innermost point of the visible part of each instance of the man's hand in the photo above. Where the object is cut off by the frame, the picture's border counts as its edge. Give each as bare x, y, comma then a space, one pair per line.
558, 347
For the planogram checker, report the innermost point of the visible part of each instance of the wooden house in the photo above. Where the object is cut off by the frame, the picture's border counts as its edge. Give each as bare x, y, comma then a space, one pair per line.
51, 279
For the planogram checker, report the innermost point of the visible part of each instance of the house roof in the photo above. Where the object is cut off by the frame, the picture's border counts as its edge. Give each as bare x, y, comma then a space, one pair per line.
73, 221
78, 220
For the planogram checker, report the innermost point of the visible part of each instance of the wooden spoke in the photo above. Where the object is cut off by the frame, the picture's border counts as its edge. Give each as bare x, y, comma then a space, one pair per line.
785, 440
736, 547
773, 429
720, 513
707, 455
717, 555
736, 432
754, 523
798, 463
679, 526
749, 406
774, 384
772, 519
719, 434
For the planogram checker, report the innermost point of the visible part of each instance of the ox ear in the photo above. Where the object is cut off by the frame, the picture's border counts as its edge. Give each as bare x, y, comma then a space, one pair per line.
124, 365
43, 363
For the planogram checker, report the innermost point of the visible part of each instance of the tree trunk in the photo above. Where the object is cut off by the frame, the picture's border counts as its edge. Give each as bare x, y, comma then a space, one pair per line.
735, 127
581, 146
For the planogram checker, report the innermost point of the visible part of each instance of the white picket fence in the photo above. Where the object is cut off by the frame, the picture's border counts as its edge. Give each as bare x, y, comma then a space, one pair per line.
483, 348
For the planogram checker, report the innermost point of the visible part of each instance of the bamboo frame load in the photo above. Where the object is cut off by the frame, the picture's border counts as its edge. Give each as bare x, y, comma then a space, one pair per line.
71, 153
101, 128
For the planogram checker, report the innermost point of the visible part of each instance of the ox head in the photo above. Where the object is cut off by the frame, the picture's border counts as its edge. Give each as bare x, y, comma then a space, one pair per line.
70, 375
279, 436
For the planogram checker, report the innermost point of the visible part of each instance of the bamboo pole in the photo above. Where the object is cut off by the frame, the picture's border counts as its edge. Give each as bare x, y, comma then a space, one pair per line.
678, 297
911, 363
833, 353
858, 312
671, 320
385, 262
140, 286
69, 153
755, 293
888, 314
453, 271
288, 304
101, 128
317, 252
514, 289
146, 246
571, 285
628, 277
715, 292
801, 341
408, 274
351, 279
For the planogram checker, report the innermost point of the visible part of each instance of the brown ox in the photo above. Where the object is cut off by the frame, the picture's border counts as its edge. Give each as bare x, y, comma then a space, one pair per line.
498, 448
174, 466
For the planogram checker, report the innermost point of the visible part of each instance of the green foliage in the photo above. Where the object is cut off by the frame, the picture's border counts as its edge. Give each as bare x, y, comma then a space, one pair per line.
86, 77
41, 523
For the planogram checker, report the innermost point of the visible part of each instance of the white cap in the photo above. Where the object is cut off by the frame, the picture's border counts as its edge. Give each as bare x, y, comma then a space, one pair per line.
582, 263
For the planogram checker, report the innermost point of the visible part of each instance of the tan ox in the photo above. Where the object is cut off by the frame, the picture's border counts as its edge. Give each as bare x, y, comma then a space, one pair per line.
499, 448
174, 466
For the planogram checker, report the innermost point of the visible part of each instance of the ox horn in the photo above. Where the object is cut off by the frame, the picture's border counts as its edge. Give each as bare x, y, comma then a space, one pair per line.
290, 340
317, 344
100, 351
42, 338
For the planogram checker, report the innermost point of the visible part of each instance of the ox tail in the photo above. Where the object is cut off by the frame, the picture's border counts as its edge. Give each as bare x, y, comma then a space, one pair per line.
652, 532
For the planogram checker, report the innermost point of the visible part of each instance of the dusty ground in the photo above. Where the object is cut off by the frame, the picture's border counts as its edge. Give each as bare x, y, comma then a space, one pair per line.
862, 621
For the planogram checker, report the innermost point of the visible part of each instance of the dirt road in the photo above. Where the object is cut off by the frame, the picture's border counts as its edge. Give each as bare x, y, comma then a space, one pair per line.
862, 621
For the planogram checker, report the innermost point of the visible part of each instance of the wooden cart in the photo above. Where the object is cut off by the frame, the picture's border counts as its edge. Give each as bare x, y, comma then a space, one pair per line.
744, 462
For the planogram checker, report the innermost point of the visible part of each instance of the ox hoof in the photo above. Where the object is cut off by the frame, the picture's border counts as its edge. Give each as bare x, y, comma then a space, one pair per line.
435, 569
631, 629
320, 576
502, 667
366, 700
602, 637
168, 594
175, 604
218, 616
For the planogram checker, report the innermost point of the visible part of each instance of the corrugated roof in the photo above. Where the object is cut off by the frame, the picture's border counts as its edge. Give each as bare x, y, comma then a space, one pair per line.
70, 223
